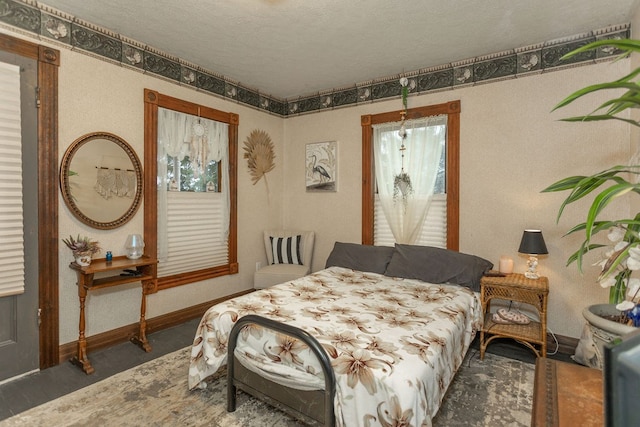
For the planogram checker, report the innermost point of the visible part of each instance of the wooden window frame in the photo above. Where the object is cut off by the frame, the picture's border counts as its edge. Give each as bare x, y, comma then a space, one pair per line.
153, 100
452, 110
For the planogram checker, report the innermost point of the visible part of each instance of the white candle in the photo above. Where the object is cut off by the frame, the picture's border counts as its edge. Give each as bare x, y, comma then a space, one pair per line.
506, 265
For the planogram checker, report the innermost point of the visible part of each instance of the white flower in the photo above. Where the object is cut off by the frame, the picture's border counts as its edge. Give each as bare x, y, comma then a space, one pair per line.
620, 245
604, 259
615, 234
633, 263
404, 81
633, 288
625, 305
608, 282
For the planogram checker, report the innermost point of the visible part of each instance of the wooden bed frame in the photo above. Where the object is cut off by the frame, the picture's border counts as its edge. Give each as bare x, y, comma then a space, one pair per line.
313, 407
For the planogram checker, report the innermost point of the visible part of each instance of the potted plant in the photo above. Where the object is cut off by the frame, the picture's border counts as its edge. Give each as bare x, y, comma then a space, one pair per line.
83, 249
621, 257
402, 186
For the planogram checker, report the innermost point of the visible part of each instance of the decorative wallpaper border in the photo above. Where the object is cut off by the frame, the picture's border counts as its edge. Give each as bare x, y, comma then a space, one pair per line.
40, 20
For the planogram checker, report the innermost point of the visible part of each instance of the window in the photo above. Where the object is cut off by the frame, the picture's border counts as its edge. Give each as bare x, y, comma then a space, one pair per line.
182, 173
422, 160
441, 225
190, 189
12, 232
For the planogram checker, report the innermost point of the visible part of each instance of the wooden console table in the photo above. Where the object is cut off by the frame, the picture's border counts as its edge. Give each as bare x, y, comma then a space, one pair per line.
146, 274
566, 395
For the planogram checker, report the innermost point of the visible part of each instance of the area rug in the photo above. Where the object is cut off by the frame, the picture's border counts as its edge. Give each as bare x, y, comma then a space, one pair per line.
496, 391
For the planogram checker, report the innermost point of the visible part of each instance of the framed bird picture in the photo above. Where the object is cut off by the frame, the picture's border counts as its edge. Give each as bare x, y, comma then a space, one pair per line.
321, 166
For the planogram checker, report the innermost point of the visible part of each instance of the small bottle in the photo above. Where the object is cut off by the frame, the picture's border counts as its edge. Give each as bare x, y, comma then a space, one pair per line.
109, 256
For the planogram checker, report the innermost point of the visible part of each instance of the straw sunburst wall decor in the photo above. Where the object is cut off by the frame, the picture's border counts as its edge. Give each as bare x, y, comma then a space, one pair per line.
258, 150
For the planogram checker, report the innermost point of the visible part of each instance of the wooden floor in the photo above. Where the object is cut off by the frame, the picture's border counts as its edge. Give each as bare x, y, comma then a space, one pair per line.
34, 389
37, 388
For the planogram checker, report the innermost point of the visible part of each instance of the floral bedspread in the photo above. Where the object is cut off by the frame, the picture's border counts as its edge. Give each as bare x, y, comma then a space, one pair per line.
395, 344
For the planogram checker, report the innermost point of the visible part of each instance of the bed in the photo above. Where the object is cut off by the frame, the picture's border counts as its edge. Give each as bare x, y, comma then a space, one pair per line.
392, 324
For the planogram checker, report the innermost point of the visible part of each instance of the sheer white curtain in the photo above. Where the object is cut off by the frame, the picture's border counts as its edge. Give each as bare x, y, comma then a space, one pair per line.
177, 139
424, 144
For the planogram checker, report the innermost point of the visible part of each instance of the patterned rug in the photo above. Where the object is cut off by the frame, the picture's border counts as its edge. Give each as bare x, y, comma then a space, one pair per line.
496, 391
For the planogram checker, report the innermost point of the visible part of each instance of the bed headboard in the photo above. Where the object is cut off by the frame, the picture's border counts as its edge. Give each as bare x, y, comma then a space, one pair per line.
426, 263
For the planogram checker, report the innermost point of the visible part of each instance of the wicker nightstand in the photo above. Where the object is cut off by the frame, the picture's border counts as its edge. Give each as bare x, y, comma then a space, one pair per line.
515, 287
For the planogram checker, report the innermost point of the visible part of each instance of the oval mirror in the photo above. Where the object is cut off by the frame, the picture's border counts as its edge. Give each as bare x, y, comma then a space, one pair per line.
101, 180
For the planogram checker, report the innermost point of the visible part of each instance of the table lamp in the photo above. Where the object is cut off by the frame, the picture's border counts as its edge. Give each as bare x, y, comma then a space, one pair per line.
532, 244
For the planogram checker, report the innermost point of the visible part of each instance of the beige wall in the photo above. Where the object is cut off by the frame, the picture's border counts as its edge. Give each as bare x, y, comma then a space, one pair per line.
96, 95
511, 148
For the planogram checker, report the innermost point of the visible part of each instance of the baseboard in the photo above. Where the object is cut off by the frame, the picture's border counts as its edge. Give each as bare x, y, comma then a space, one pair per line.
566, 345
125, 333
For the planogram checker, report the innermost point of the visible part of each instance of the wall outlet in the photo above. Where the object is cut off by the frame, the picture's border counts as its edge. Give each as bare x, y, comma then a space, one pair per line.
258, 265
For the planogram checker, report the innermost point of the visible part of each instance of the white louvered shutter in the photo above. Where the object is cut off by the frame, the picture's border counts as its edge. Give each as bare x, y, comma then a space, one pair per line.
11, 222
434, 229
195, 232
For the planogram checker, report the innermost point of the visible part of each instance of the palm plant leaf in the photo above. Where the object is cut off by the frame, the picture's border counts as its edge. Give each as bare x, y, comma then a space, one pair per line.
614, 261
259, 154
632, 88
609, 183
630, 99
598, 118
581, 186
626, 45
578, 255
602, 200
597, 227
627, 100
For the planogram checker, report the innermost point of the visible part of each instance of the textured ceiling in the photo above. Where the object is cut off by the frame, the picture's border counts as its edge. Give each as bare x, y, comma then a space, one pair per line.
290, 48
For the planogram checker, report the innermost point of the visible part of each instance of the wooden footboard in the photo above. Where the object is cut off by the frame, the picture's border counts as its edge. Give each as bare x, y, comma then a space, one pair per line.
309, 406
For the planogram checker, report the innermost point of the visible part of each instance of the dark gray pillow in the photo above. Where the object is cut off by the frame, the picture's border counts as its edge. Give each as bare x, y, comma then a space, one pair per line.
360, 257
436, 265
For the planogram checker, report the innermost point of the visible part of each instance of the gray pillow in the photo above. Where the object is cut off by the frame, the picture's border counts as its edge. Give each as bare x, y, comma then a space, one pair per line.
436, 265
373, 259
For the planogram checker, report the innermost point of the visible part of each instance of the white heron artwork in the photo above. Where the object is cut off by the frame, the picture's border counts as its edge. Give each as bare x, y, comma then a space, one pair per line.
321, 166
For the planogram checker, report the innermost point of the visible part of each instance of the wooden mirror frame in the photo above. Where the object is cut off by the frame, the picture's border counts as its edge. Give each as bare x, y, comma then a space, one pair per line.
65, 185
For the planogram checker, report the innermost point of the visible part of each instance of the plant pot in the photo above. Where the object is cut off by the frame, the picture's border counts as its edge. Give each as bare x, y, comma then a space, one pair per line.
598, 332
403, 185
83, 259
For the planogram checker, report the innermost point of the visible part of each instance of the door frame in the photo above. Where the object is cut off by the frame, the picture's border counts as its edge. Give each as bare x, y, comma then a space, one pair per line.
47, 170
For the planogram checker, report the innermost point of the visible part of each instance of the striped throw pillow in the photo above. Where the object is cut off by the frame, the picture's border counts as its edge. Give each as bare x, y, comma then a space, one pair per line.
286, 250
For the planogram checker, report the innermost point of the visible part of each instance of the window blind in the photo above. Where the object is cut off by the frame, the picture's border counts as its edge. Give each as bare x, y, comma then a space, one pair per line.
11, 218
434, 229
196, 237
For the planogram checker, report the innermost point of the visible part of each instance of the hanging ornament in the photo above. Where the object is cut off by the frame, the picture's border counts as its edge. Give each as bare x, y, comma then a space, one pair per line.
198, 128
199, 147
403, 131
404, 82
402, 181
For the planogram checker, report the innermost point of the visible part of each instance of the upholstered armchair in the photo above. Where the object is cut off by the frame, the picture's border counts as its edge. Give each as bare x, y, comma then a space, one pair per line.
289, 255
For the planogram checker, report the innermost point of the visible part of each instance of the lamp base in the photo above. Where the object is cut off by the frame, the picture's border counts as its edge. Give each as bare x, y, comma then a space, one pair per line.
532, 264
